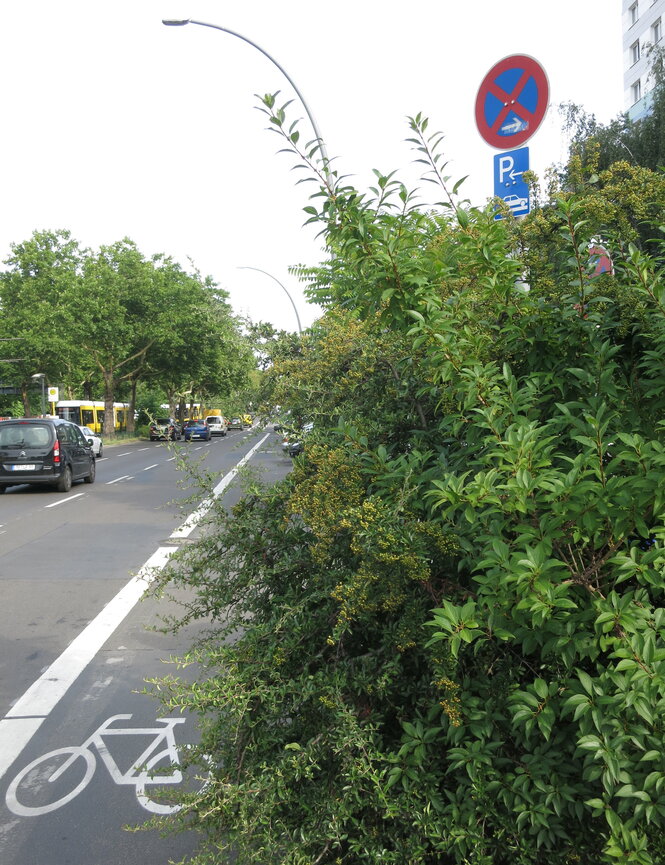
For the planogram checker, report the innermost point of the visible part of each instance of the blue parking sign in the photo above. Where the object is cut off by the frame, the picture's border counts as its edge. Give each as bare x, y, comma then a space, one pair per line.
508, 181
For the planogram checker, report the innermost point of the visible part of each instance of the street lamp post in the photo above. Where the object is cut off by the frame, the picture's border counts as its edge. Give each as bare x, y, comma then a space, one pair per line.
42, 376
173, 22
283, 287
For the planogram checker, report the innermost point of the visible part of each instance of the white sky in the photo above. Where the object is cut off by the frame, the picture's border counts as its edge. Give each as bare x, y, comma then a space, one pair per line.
117, 126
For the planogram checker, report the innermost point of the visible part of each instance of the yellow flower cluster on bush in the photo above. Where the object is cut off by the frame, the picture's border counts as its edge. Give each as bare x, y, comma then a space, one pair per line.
325, 489
450, 702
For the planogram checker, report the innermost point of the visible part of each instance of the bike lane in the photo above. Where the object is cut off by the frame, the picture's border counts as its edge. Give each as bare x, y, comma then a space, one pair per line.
104, 725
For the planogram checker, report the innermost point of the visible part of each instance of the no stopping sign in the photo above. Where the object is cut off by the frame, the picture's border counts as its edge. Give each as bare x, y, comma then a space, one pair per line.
512, 101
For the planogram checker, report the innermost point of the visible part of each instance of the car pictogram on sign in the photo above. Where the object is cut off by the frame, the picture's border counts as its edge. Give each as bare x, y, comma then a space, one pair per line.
512, 101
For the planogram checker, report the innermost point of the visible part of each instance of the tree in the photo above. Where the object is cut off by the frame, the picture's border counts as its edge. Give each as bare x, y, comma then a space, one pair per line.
40, 299
640, 142
443, 641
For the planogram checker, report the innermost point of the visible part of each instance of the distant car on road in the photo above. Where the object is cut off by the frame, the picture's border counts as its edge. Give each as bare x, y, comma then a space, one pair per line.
197, 429
294, 440
94, 440
165, 428
217, 424
236, 423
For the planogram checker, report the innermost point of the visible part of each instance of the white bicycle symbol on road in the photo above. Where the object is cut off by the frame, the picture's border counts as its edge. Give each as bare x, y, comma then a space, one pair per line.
33, 782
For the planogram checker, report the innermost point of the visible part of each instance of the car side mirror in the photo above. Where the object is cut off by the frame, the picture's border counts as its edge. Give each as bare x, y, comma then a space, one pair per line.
90, 442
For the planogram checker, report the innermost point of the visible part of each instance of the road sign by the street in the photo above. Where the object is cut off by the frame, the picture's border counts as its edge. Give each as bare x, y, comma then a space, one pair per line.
512, 101
509, 183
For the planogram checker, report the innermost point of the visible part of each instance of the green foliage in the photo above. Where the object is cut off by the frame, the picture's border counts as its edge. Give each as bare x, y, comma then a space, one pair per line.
99, 323
640, 142
441, 639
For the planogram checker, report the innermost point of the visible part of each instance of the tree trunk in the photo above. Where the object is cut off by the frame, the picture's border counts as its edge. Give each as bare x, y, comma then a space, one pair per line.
109, 393
25, 397
132, 406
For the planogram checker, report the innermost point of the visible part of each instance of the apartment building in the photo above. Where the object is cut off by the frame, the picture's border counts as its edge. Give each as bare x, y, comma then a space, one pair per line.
642, 27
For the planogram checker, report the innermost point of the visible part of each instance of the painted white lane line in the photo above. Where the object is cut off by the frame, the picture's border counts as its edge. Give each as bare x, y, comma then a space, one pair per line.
195, 518
30, 711
153, 466
144, 449
126, 454
121, 478
62, 501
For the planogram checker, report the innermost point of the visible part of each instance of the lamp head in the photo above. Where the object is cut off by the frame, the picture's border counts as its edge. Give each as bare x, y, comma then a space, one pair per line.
175, 22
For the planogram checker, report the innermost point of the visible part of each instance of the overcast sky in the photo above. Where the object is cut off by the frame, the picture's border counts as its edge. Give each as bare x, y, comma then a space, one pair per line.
117, 126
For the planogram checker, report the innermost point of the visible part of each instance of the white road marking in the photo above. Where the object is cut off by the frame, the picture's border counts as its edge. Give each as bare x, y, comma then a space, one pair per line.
121, 478
62, 501
153, 466
195, 518
127, 453
31, 710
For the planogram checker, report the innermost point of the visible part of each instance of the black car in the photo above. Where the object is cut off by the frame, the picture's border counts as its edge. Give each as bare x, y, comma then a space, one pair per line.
47, 451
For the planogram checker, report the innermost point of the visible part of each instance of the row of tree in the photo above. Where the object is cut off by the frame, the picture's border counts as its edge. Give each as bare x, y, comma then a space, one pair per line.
441, 639
101, 323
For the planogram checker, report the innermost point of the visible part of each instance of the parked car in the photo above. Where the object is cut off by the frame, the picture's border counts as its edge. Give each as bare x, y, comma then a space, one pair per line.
235, 423
217, 424
197, 429
46, 451
296, 441
247, 421
165, 428
94, 440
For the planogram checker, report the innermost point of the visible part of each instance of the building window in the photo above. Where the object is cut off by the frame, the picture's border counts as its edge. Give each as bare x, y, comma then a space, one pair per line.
657, 31
636, 91
635, 52
632, 12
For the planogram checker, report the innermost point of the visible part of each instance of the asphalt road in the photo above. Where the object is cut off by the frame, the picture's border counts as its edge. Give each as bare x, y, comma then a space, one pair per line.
76, 649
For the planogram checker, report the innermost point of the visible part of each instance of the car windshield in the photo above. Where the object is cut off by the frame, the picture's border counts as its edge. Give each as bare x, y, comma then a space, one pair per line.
163, 421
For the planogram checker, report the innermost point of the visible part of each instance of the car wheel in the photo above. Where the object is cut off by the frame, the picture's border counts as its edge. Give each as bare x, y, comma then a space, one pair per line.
64, 485
101, 450
2, 489
90, 479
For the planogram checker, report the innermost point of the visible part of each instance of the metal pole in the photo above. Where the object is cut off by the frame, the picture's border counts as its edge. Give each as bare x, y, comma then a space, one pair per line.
283, 287
172, 22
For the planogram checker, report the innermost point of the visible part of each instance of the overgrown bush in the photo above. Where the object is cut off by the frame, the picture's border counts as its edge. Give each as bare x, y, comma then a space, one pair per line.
441, 639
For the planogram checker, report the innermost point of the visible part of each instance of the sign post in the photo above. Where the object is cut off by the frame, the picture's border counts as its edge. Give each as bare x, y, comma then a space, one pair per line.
509, 184
511, 103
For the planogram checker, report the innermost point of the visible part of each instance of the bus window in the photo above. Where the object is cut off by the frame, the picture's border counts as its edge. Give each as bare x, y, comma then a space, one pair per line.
87, 417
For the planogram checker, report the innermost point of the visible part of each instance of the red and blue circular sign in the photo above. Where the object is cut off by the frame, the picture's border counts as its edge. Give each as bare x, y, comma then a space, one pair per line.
512, 101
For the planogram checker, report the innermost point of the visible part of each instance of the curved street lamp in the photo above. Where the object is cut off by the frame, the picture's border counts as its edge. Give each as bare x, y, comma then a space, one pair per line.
283, 287
173, 22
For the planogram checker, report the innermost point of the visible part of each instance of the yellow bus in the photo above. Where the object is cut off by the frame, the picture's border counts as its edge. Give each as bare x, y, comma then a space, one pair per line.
90, 413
